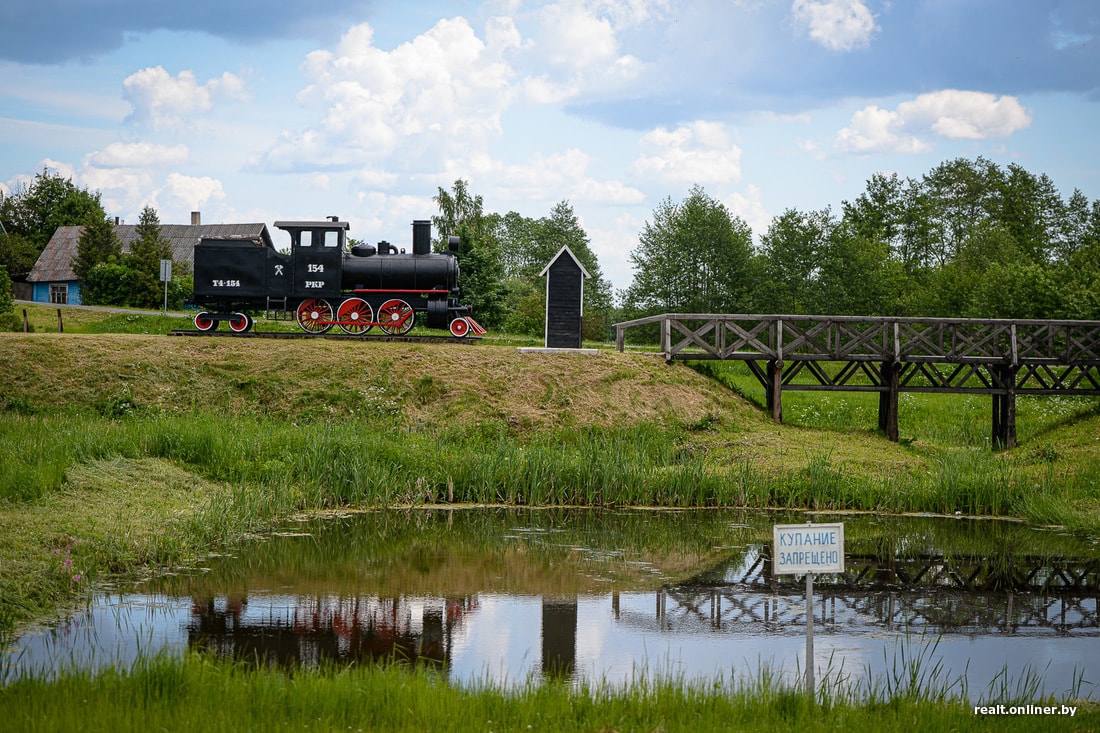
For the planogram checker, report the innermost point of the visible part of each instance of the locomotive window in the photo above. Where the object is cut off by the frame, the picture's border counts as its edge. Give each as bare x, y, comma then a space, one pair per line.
306, 239
332, 238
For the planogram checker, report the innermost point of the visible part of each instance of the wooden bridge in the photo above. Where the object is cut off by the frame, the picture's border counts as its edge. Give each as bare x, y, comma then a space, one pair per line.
1001, 358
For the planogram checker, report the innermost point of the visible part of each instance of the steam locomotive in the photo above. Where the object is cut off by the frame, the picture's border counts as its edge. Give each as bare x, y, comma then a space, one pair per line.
324, 284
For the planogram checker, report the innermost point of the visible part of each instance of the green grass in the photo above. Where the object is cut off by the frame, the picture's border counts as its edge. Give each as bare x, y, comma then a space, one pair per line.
248, 471
195, 693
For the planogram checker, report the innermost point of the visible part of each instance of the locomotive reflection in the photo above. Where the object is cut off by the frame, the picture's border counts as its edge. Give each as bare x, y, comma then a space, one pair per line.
312, 632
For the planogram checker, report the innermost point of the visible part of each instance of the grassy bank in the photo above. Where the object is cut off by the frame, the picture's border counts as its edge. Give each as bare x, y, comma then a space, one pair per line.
126, 451
197, 694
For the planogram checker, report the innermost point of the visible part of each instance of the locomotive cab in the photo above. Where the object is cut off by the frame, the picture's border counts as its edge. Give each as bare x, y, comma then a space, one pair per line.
316, 254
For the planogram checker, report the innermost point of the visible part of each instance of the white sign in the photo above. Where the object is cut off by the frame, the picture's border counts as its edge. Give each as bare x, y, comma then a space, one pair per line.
166, 271
807, 548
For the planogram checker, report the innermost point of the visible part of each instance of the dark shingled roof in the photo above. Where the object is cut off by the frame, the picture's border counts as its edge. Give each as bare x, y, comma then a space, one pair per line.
55, 264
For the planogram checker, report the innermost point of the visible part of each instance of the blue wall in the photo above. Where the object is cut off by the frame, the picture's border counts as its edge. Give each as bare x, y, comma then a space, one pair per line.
42, 292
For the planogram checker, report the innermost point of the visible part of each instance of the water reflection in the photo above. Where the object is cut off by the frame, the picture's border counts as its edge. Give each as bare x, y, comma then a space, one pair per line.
504, 596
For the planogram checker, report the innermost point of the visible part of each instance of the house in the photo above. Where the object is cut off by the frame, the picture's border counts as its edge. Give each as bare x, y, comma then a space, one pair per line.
52, 277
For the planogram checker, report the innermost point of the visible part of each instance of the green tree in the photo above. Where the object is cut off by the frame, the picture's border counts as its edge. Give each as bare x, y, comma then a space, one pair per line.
98, 243
146, 252
6, 302
17, 254
481, 273
1032, 211
692, 257
792, 251
50, 201
108, 283
961, 194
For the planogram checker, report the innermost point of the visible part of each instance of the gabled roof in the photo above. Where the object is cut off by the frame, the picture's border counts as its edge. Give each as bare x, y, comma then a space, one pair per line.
564, 250
55, 264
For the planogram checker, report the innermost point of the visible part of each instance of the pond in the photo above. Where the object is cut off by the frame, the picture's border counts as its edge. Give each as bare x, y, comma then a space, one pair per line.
503, 596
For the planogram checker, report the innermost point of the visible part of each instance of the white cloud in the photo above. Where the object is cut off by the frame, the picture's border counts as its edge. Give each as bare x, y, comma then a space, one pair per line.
839, 25
444, 88
160, 100
136, 155
951, 114
750, 207
542, 177
697, 153
193, 192
576, 47
956, 114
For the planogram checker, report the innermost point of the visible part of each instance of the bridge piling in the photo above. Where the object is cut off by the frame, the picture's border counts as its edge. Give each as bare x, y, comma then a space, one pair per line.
888, 400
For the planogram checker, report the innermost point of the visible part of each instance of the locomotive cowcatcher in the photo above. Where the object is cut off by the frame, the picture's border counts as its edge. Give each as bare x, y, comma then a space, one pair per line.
324, 284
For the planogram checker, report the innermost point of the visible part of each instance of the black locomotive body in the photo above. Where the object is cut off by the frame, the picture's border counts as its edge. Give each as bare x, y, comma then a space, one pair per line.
325, 285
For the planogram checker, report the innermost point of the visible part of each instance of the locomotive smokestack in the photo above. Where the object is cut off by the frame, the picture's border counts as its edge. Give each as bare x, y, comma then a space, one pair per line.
422, 237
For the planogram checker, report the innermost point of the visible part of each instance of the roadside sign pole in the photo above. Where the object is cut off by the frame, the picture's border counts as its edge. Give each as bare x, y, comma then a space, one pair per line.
166, 277
810, 686
808, 549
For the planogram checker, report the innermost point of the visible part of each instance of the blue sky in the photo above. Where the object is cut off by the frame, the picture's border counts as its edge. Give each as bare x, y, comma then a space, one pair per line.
258, 110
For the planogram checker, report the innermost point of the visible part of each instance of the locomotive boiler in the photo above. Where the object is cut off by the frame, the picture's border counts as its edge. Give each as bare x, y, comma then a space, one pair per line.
324, 284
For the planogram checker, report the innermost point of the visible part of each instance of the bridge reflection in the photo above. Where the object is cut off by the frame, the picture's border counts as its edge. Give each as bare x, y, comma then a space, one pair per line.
933, 594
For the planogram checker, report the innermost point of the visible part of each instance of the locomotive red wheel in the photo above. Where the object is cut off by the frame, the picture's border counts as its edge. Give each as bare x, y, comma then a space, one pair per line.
355, 316
460, 327
205, 322
315, 315
240, 323
396, 316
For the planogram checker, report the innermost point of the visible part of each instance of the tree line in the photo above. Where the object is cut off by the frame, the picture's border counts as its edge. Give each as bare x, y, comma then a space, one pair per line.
967, 239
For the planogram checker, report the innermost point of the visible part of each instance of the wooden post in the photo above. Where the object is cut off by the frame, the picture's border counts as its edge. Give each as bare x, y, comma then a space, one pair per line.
26, 323
1003, 434
60, 328
774, 390
888, 400
666, 338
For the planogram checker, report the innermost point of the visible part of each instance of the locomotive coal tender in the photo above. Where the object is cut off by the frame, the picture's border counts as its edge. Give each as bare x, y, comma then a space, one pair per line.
324, 284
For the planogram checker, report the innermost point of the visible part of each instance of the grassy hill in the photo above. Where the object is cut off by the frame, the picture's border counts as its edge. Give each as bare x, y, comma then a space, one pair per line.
119, 451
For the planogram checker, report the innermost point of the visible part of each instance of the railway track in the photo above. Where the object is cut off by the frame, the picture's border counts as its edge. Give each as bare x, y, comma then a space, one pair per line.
333, 336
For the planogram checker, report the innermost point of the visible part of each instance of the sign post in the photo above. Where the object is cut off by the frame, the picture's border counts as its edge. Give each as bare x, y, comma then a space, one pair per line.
166, 277
808, 548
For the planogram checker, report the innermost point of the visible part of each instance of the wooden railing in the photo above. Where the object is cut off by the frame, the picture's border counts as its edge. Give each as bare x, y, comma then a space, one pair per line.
1001, 358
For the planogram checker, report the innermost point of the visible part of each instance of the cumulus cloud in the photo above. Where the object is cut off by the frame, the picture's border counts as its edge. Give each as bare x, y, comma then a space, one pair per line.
193, 192
136, 155
160, 99
950, 114
547, 177
838, 25
697, 153
444, 88
576, 46
750, 207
